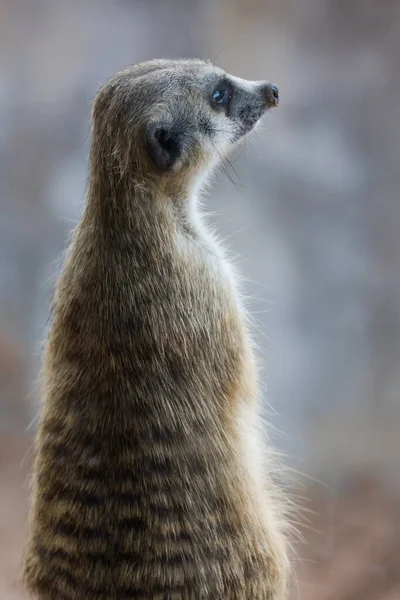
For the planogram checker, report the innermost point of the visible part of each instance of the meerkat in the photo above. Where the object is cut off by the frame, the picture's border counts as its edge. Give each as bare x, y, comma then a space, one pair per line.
148, 479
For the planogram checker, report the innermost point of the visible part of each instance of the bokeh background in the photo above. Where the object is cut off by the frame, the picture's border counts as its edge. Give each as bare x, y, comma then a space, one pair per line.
310, 208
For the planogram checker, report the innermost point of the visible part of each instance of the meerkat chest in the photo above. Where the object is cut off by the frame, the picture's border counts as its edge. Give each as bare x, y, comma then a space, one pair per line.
208, 310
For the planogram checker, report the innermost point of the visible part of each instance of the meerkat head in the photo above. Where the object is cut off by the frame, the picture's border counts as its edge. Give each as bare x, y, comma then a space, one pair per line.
173, 120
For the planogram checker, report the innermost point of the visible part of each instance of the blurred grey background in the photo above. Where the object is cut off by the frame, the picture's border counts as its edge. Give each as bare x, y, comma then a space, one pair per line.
310, 209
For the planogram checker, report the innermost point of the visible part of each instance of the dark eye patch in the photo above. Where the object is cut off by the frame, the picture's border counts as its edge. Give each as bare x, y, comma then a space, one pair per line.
221, 94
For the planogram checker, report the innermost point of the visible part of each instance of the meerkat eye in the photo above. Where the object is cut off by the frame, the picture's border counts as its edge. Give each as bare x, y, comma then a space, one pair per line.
221, 95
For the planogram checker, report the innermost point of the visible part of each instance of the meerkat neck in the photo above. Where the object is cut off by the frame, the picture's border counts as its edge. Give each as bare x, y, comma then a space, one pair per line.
121, 203
125, 202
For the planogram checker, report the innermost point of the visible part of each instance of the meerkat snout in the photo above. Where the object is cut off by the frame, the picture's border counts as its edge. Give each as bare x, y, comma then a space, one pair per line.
271, 94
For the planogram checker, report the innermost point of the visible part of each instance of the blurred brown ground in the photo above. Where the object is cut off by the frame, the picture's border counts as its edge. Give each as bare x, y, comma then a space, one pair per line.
351, 549
14, 469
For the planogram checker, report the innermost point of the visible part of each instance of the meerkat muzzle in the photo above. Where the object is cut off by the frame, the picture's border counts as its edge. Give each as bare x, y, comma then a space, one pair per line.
271, 92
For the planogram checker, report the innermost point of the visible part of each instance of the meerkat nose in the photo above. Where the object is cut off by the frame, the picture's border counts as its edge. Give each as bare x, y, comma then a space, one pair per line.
271, 94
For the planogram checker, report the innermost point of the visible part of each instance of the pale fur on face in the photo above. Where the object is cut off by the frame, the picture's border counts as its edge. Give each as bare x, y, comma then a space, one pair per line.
173, 100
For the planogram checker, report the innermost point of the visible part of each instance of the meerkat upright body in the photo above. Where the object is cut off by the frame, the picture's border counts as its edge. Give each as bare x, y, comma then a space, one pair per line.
147, 483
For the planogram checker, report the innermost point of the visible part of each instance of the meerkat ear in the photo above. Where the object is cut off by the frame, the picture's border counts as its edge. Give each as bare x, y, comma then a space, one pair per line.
163, 145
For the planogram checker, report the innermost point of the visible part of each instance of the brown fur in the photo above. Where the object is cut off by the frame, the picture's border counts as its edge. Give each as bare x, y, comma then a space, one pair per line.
143, 482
